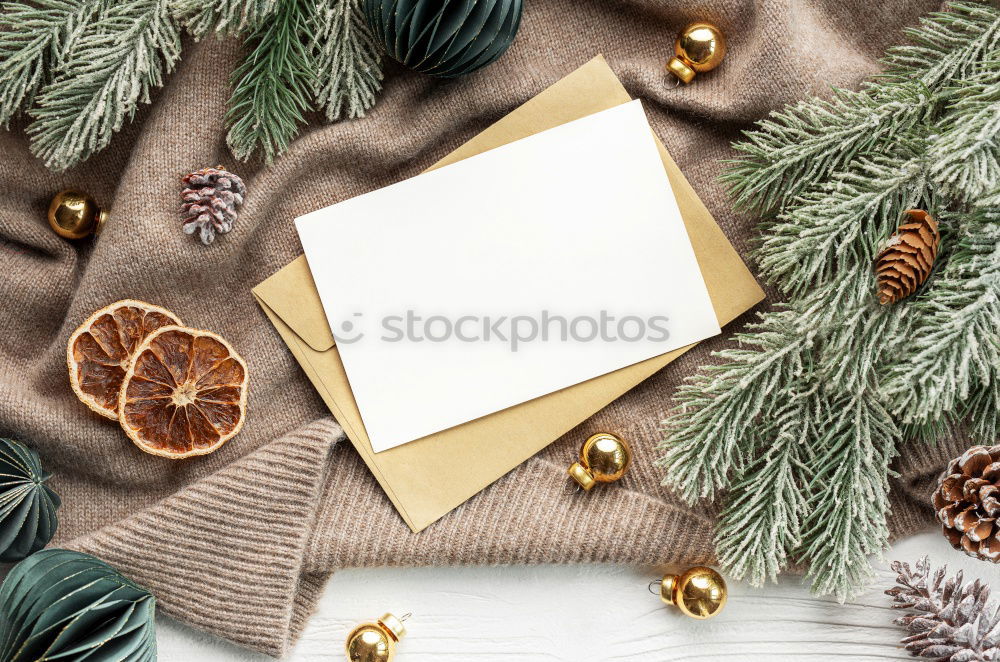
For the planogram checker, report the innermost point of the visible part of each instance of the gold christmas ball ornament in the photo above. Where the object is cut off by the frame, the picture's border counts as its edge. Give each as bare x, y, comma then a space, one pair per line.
699, 592
375, 642
75, 215
700, 47
603, 459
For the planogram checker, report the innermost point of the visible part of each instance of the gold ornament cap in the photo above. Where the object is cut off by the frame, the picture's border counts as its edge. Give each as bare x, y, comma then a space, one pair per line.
699, 47
75, 215
393, 625
604, 458
699, 592
375, 642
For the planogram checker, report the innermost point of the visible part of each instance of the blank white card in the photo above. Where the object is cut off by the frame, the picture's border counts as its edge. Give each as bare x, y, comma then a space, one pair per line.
507, 276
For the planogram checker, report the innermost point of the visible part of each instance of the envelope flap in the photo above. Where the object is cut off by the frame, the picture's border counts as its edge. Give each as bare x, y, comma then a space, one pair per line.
291, 294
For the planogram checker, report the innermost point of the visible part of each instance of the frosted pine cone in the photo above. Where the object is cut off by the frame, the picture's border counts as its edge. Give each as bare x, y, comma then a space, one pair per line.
967, 501
211, 196
948, 620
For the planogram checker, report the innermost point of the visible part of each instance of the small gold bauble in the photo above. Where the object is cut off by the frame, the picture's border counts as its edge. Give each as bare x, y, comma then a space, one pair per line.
375, 642
603, 459
699, 592
700, 47
75, 215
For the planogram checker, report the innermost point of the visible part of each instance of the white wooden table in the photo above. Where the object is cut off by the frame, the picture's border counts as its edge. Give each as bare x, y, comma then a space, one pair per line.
589, 613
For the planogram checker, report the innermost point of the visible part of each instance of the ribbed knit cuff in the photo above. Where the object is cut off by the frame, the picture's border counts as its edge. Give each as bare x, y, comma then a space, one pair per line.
529, 516
225, 554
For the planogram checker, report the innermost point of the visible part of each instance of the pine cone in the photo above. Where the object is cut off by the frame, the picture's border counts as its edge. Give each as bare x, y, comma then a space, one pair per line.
906, 260
949, 621
967, 500
211, 196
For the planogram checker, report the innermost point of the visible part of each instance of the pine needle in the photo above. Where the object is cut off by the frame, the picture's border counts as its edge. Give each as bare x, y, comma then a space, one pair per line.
223, 17
838, 225
34, 41
710, 428
272, 88
802, 145
109, 69
347, 60
946, 46
848, 494
966, 153
86, 65
761, 523
954, 346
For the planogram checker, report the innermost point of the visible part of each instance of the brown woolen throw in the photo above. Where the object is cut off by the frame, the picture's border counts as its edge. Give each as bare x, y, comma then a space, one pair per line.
240, 542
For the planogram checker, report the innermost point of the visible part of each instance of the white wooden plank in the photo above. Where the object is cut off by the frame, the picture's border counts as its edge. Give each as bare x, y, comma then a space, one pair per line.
593, 612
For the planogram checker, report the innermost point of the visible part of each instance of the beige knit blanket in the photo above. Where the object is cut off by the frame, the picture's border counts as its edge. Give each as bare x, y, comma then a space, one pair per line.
239, 543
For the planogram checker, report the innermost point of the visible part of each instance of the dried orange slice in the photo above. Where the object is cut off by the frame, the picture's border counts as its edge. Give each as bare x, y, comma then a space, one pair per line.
99, 351
184, 394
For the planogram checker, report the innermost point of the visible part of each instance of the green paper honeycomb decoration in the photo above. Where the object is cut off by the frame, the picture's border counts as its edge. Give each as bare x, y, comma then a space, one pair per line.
444, 38
63, 606
27, 506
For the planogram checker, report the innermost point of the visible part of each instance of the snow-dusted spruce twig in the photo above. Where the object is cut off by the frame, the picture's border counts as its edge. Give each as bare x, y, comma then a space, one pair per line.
302, 55
956, 352
796, 427
109, 69
34, 40
272, 87
347, 60
962, 156
83, 67
950, 621
223, 17
307, 55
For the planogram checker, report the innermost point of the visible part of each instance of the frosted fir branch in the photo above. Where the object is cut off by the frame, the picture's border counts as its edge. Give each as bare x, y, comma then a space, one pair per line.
847, 321
223, 17
347, 61
711, 433
946, 46
272, 87
840, 174
980, 414
803, 144
761, 522
949, 619
111, 68
966, 153
953, 347
821, 251
705, 437
849, 495
870, 334
841, 223
34, 40
799, 146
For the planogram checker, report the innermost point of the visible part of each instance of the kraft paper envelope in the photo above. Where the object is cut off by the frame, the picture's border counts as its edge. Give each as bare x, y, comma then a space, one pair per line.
427, 478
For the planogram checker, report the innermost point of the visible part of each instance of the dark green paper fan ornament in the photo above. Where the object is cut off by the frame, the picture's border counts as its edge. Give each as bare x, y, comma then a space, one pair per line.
444, 38
68, 606
27, 505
